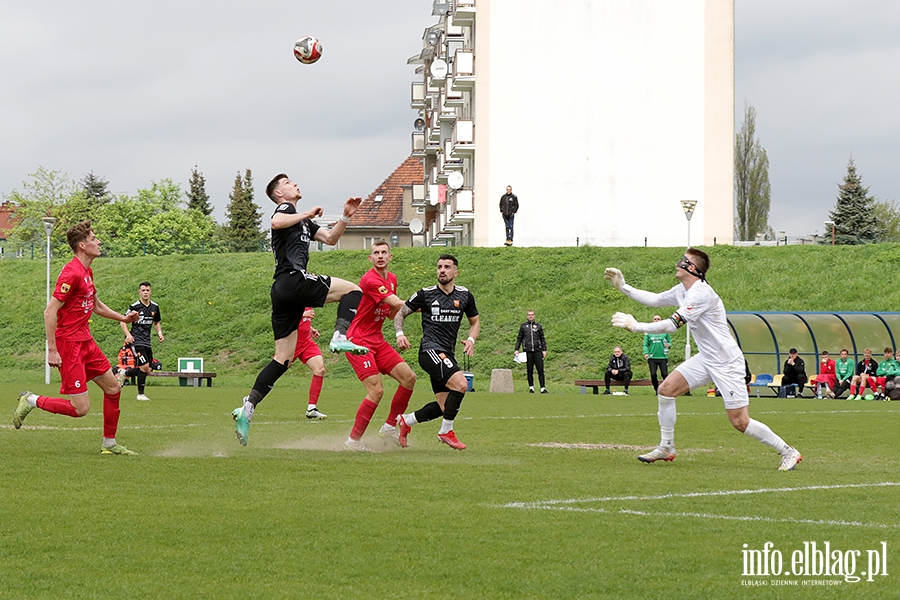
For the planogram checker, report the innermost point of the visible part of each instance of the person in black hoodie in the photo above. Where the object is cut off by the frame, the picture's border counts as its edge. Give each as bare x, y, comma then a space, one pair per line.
531, 340
619, 369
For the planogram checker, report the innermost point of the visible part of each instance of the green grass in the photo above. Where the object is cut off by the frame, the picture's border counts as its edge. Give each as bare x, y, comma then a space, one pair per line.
217, 306
293, 516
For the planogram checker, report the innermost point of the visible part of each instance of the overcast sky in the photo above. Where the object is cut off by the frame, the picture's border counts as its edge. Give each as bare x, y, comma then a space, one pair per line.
141, 92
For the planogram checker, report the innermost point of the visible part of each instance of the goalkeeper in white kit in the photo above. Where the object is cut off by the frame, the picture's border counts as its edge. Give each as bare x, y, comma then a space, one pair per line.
718, 360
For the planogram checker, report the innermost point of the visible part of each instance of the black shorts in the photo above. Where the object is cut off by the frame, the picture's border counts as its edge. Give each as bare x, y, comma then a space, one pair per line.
143, 355
440, 366
291, 294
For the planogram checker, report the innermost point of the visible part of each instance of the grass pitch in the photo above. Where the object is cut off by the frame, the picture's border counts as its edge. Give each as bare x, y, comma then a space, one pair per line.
548, 501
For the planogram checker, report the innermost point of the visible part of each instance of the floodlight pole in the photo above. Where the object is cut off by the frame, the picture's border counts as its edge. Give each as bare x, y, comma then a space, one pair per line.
688, 206
48, 228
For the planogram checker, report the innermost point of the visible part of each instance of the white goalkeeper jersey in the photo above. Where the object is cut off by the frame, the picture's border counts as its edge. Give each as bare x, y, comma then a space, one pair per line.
703, 311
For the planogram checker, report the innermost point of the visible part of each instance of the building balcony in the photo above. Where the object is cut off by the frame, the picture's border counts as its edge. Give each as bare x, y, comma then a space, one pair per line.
418, 144
463, 70
418, 195
465, 12
463, 206
417, 99
453, 97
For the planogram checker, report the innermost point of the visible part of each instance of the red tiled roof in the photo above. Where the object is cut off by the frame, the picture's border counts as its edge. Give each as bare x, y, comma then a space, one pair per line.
7, 216
390, 210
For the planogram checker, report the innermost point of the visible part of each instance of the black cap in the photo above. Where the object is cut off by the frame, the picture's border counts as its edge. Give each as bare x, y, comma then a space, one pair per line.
792, 351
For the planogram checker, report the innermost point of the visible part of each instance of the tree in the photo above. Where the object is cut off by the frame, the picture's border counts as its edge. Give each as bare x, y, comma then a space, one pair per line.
887, 215
96, 189
752, 192
198, 199
854, 215
42, 196
244, 217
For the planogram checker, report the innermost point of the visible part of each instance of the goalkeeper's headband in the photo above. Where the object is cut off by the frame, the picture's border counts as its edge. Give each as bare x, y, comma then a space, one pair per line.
685, 262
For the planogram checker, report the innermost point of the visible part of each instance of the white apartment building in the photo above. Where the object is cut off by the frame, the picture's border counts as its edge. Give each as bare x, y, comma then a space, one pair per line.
603, 115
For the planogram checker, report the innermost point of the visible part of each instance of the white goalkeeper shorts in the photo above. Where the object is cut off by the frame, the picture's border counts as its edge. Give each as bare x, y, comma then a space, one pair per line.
728, 377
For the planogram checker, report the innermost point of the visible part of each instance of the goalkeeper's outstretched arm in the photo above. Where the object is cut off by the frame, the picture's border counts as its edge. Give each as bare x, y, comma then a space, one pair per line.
615, 277
626, 321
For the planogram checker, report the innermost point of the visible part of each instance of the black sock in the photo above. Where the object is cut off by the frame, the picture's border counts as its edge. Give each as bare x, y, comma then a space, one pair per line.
347, 310
429, 412
266, 380
141, 381
452, 403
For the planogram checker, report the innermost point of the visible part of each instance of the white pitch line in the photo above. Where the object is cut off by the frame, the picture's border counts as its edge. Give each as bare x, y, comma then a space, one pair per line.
644, 513
550, 503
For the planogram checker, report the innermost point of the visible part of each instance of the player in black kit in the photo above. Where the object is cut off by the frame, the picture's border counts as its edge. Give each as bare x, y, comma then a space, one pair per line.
442, 307
295, 289
139, 336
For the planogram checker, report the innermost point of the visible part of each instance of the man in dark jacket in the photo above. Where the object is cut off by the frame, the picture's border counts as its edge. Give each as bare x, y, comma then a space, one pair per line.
509, 205
531, 340
619, 369
794, 372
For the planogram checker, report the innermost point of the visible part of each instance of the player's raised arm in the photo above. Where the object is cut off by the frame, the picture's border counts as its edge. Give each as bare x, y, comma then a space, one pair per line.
626, 321
402, 340
615, 277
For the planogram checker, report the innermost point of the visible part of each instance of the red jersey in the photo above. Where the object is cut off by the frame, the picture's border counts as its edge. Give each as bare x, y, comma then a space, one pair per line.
303, 333
75, 289
826, 367
372, 309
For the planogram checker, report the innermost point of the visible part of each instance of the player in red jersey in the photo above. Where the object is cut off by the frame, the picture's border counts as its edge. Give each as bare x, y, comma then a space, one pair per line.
71, 346
307, 351
379, 302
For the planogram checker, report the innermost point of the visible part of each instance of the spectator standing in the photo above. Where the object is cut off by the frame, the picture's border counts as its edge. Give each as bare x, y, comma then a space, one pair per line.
794, 372
844, 370
656, 353
509, 206
139, 336
531, 340
618, 369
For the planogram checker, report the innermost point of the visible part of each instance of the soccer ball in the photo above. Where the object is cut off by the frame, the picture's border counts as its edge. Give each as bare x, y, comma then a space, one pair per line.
308, 49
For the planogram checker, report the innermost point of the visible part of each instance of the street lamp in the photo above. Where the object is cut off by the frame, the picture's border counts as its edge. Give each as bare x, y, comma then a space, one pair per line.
48, 228
688, 206
827, 225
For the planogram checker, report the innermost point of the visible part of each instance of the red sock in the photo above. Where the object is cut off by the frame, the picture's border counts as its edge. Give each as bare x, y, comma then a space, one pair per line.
399, 403
58, 406
111, 414
363, 416
315, 388
852, 390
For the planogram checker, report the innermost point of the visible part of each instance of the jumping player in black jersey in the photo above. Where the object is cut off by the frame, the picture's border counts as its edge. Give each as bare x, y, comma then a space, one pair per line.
295, 289
140, 334
442, 307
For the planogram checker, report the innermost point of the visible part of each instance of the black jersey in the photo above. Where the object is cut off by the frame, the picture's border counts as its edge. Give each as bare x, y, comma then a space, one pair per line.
441, 315
140, 329
291, 244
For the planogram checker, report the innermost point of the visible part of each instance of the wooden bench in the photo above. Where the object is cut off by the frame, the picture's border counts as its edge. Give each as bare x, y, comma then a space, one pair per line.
194, 379
596, 384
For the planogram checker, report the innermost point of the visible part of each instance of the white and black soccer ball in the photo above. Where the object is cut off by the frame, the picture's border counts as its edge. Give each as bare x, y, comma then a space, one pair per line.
308, 49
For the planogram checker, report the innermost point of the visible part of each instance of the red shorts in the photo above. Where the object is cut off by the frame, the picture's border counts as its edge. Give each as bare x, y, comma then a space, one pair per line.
81, 362
306, 350
382, 358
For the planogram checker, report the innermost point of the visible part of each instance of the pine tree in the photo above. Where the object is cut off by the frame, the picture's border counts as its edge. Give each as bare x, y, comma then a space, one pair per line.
198, 199
853, 215
96, 189
244, 218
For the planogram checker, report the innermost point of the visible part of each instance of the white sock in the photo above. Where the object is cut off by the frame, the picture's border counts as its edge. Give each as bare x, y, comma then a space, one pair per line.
760, 431
388, 427
666, 416
310, 407
410, 419
248, 409
109, 442
338, 337
446, 426
32, 400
